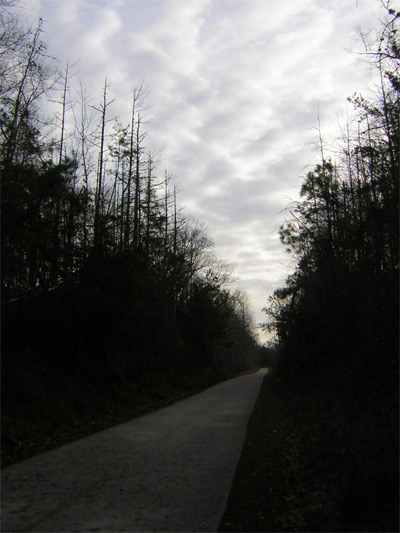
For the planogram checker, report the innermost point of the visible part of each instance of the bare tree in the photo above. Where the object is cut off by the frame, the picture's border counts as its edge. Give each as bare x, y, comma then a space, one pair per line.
99, 192
29, 78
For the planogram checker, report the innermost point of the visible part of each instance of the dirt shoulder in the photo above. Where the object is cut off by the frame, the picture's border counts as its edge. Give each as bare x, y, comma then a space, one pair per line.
263, 495
311, 464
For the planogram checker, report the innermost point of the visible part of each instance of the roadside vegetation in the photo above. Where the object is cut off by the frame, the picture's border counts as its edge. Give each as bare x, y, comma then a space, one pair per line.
322, 449
112, 298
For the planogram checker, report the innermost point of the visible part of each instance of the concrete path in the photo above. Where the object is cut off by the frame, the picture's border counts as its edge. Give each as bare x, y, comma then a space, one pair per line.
170, 470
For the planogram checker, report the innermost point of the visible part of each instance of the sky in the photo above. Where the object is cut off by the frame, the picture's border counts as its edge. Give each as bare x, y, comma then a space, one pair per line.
236, 90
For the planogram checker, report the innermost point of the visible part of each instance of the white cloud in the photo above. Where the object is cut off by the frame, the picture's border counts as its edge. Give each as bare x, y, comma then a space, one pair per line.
235, 89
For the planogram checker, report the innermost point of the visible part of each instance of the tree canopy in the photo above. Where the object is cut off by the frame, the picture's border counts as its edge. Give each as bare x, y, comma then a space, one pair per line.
92, 231
344, 236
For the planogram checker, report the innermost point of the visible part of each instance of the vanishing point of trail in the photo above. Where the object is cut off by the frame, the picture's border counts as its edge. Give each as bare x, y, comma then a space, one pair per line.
170, 470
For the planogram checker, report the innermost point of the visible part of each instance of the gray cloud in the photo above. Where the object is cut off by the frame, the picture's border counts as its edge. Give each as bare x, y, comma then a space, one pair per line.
235, 89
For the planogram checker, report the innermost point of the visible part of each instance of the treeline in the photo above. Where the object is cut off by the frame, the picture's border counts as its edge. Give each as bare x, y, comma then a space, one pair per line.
102, 272
336, 318
344, 235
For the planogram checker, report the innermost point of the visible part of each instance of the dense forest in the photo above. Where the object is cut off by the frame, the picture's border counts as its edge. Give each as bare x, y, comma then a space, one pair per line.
336, 319
110, 292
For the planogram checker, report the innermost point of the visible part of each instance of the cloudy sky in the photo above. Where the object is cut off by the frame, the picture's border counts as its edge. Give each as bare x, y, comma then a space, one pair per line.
235, 90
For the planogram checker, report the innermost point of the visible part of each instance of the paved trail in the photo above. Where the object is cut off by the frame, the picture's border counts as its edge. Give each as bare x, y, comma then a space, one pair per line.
170, 470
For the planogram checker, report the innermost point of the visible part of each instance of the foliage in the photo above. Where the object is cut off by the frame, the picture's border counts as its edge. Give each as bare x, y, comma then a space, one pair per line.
104, 277
344, 233
336, 319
